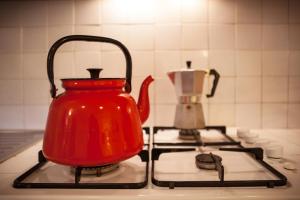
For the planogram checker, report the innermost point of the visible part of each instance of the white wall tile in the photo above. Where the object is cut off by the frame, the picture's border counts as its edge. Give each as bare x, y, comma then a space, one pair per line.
7, 17
11, 117
294, 89
85, 60
136, 86
141, 37
194, 36
194, 10
36, 92
248, 115
221, 114
114, 12
35, 117
221, 11
221, 37
167, 11
166, 61
160, 117
118, 32
57, 32
167, 37
293, 115
35, 39
34, 13
275, 37
60, 12
249, 37
11, 92
35, 66
64, 65
249, 11
275, 11
87, 12
248, 89
199, 59
274, 115
142, 63
10, 40
10, 66
275, 89
225, 92
113, 64
223, 62
164, 91
275, 63
87, 30
294, 40
294, 63
248, 63
294, 11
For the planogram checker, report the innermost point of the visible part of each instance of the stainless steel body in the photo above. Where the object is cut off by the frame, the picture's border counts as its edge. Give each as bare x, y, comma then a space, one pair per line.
189, 116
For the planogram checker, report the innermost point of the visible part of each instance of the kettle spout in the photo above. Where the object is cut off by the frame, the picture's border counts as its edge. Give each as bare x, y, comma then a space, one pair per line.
143, 102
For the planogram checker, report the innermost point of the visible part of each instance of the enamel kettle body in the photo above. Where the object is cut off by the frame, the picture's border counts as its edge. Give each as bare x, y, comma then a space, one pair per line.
95, 121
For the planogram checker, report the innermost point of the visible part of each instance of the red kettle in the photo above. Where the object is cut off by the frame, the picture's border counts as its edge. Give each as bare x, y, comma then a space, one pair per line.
95, 121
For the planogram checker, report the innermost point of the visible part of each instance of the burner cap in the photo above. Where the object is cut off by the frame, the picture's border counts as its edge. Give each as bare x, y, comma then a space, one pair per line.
207, 160
189, 134
97, 170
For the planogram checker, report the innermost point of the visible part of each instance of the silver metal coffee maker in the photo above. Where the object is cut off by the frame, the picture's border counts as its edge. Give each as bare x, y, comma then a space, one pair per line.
189, 88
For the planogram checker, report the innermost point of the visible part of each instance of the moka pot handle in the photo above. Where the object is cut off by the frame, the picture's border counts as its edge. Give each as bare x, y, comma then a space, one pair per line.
86, 38
216, 75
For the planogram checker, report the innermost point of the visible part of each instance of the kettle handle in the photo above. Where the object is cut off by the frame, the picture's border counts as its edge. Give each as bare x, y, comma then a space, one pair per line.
87, 38
215, 83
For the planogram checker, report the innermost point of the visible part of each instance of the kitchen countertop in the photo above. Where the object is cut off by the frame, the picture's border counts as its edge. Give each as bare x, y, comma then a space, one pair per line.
290, 139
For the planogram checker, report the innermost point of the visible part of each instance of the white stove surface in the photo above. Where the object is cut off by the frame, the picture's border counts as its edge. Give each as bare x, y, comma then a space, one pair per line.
179, 165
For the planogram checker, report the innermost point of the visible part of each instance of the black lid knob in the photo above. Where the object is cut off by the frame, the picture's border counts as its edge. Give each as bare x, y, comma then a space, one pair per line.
94, 72
188, 64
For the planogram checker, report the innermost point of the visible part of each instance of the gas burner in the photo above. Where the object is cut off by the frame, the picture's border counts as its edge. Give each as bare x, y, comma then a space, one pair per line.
208, 161
189, 134
97, 170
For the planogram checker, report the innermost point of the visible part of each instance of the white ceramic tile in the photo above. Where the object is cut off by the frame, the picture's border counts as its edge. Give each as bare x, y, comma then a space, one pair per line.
87, 12
194, 10
85, 60
118, 32
294, 40
35, 39
222, 61
249, 11
293, 115
294, 63
7, 17
166, 61
275, 11
221, 37
136, 86
10, 66
275, 37
248, 115
275, 89
10, 40
140, 11
225, 92
160, 117
141, 37
275, 63
294, 89
36, 92
64, 65
274, 115
60, 12
167, 37
11, 117
34, 13
150, 120
167, 11
35, 117
194, 36
221, 11
88, 30
294, 11
248, 63
142, 63
248, 89
11, 92
113, 64
221, 114
164, 91
249, 37
35, 65
115, 11
199, 59
57, 32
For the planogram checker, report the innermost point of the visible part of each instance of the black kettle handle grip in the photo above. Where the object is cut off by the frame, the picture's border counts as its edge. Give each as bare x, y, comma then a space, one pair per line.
215, 83
87, 38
